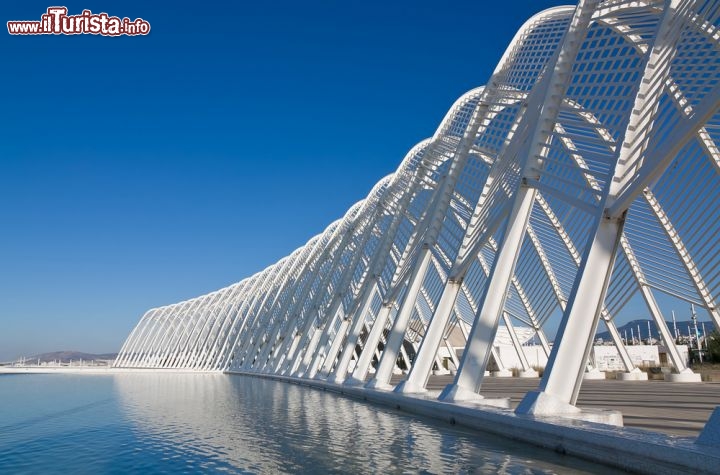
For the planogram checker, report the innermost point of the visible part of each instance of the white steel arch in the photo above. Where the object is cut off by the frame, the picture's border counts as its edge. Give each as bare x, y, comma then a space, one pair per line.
583, 175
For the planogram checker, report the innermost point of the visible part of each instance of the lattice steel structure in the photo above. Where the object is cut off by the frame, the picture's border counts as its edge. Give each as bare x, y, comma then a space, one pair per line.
584, 174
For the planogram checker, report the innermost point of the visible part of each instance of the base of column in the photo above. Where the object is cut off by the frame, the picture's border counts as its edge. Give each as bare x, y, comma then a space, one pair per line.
353, 382
634, 375
710, 435
528, 373
503, 373
594, 374
440, 372
455, 393
375, 384
335, 378
406, 387
684, 376
542, 404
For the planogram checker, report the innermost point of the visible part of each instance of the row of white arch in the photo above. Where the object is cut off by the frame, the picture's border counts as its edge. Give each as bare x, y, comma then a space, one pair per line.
583, 177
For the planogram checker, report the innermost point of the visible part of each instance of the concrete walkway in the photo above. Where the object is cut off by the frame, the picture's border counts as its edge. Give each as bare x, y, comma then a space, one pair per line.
670, 408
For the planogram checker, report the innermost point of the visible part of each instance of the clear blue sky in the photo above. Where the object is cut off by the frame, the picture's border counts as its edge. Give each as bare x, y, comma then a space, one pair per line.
141, 171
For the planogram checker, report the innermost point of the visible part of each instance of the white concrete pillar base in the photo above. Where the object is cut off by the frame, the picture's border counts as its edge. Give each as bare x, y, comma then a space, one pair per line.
542, 404
455, 393
528, 373
353, 382
375, 384
710, 435
503, 373
405, 387
685, 376
594, 374
634, 375
397, 371
440, 372
336, 379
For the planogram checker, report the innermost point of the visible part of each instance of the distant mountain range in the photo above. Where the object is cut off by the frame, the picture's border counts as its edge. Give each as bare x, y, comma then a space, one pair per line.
67, 356
682, 327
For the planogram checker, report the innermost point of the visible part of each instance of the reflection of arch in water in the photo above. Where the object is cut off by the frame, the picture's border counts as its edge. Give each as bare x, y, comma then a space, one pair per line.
200, 413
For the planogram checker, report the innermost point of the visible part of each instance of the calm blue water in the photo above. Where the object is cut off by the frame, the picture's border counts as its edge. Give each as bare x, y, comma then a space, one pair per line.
186, 423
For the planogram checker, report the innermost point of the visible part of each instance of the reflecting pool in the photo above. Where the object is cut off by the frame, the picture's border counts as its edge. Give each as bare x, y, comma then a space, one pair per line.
190, 423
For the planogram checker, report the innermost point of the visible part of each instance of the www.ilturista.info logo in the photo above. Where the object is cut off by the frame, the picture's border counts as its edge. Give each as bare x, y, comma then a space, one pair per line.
57, 22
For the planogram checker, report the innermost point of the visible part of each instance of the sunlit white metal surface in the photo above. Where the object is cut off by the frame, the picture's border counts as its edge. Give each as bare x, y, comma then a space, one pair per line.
584, 175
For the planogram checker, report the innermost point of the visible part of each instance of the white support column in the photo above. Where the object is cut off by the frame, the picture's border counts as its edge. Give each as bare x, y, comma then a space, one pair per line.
283, 352
684, 256
543, 108
340, 372
526, 371
684, 374
305, 335
631, 372
361, 367
563, 375
502, 371
397, 333
270, 348
277, 343
232, 317
331, 356
477, 351
334, 346
259, 316
405, 358
256, 341
283, 346
294, 339
451, 352
336, 303
292, 360
303, 357
420, 371
234, 342
317, 358
561, 382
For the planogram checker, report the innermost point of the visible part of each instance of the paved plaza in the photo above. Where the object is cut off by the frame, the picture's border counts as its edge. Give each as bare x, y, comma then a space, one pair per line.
672, 408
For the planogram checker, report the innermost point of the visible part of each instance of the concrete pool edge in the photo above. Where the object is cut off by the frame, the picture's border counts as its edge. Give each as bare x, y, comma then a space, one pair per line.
629, 449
